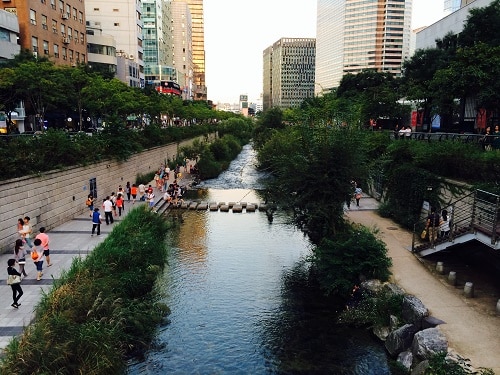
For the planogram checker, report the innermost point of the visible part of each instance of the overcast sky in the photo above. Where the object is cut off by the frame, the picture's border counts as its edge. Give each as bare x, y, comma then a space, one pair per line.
237, 32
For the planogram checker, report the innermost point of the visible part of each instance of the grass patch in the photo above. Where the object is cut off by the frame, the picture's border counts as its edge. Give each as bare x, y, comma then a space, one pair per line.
103, 310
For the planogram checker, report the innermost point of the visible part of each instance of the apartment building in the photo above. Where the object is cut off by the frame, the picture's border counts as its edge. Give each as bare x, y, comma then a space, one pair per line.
353, 35
123, 20
182, 48
289, 70
9, 34
51, 28
198, 45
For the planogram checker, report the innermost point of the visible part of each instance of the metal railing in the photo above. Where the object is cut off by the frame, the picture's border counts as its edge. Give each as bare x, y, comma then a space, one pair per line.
477, 211
486, 141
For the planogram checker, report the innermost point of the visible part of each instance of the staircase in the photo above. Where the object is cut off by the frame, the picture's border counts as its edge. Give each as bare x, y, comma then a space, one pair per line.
474, 217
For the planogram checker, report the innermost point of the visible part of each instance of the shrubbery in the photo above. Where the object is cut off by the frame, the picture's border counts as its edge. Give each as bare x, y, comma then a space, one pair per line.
103, 309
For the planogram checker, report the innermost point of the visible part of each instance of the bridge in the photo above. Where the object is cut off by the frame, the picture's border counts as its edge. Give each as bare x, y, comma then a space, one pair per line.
474, 217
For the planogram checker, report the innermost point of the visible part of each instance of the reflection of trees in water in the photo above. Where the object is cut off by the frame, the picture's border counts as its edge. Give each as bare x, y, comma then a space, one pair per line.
302, 337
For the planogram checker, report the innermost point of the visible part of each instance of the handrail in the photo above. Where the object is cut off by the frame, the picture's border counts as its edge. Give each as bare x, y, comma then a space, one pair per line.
467, 214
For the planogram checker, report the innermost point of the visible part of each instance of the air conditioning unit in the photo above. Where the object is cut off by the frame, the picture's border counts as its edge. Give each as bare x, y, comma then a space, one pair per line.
64, 16
35, 54
66, 40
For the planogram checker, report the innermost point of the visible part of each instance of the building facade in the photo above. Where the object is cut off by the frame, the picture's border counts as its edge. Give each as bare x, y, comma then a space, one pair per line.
182, 47
101, 50
51, 28
353, 35
123, 20
289, 71
9, 35
198, 45
157, 41
454, 23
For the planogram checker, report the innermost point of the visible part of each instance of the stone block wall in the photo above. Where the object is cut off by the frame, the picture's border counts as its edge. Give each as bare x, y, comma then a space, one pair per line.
52, 198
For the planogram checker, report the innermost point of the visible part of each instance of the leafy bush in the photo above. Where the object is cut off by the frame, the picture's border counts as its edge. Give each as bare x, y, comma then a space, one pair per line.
103, 309
356, 253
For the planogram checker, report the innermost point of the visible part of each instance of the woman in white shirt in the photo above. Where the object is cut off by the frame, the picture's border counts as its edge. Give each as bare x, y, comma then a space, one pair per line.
444, 225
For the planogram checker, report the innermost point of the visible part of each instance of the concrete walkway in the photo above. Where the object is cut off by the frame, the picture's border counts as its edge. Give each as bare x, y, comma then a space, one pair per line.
472, 333
67, 241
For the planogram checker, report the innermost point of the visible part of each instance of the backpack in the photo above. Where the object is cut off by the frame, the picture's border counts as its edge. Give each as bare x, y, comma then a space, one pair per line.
34, 255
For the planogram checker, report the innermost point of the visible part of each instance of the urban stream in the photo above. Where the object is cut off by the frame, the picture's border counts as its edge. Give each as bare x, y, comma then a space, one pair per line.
239, 301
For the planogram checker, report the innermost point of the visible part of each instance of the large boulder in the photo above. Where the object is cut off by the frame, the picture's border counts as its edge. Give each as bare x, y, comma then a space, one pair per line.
374, 286
414, 311
427, 343
400, 340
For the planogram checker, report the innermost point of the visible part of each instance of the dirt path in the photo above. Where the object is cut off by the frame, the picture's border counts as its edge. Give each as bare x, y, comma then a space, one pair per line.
471, 329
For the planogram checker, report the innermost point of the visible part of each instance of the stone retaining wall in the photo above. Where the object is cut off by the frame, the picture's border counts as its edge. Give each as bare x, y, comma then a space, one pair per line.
52, 198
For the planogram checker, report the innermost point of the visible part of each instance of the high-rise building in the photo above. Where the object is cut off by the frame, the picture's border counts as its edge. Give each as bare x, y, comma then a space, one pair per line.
54, 29
183, 47
122, 20
157, 41
289, 66
198, 40
353, 35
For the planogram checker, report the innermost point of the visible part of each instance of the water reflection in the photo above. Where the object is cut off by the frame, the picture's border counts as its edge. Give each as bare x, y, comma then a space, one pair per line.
240, 298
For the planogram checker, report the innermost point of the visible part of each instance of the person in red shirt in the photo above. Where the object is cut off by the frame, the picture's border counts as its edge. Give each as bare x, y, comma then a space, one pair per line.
45, 244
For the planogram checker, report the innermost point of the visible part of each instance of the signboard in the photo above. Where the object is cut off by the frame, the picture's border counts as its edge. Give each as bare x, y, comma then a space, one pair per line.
243, 98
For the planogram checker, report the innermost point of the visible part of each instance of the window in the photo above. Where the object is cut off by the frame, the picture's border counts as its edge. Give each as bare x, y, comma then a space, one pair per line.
56, 50
54, 26
75, 12
32, 17
64, 53
44, 22
63, 29
53, 4
45, 47
80, 17
61, 6
70, 33
116, 24
34, 43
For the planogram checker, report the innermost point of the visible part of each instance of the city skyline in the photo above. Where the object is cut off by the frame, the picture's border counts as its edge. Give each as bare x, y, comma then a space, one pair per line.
235, 39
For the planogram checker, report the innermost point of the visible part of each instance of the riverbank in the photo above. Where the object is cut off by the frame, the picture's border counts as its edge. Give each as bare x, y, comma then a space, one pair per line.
472, 332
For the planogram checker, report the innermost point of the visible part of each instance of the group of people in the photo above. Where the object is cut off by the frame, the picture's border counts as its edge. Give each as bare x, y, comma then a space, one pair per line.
491, 140
437, 226
113, 205
36, 248
404, 132
356, 194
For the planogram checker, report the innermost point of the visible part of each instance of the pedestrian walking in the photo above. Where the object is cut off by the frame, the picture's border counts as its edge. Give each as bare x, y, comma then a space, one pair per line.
90, 203
119, 204
20, 256
45, 244
142, 192
151, 199
20, 224
128, 190
108, 210
96, 222
444, 225
357, 195
133, 192
14, 280
27, 231
432, 225
37, 257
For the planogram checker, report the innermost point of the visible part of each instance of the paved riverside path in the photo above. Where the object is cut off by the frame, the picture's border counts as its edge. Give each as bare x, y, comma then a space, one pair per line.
69, 240
472, 333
